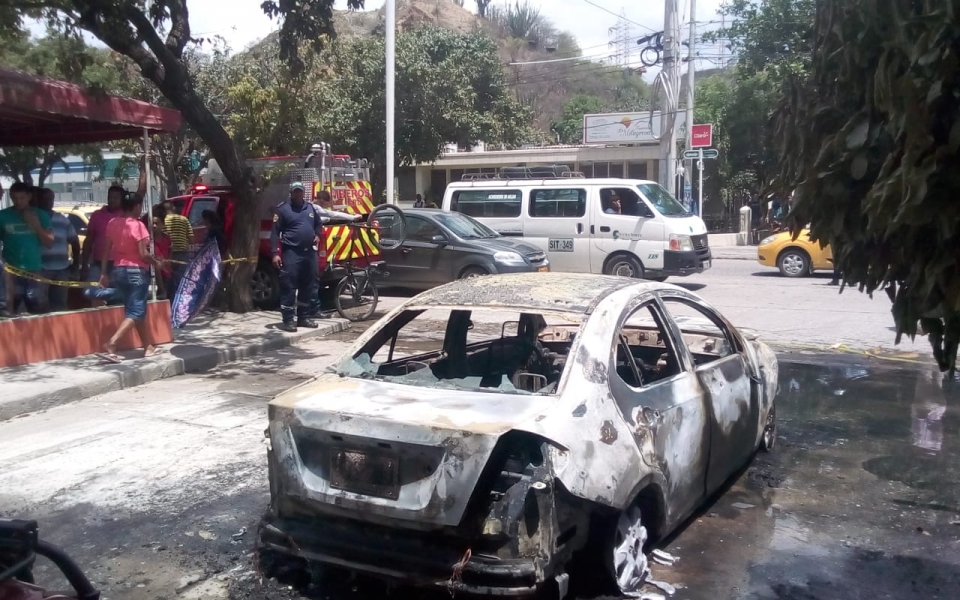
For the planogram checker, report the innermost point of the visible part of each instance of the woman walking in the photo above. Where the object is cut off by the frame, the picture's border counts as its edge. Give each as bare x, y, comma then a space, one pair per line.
127, 246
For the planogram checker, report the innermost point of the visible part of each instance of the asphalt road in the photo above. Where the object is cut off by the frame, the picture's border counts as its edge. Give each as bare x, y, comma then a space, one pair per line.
157, 490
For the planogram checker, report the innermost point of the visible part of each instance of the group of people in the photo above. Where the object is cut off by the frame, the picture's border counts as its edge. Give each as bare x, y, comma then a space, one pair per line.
43, 249
39, 245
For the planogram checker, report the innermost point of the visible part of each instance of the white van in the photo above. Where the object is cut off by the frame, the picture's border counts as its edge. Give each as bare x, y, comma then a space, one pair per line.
576, 221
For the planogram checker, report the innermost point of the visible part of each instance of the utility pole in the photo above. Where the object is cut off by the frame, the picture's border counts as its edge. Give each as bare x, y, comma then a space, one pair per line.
690, 80
669, 94
391, 44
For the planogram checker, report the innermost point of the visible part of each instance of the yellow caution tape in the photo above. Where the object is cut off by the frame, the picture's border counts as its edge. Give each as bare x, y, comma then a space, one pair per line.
34, 277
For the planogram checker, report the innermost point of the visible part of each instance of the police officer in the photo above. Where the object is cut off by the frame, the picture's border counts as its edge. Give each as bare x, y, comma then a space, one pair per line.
297, 230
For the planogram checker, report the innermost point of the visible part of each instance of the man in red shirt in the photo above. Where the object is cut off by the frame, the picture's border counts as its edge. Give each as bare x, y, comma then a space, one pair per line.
94, 246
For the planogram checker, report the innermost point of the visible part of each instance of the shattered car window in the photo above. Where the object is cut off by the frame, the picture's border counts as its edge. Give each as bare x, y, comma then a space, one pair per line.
706, 341
476, 350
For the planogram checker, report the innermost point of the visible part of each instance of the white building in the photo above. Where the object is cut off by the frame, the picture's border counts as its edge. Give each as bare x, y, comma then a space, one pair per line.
630, 162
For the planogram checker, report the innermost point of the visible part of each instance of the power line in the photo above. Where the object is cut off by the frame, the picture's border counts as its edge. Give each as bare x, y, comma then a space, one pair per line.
607, 10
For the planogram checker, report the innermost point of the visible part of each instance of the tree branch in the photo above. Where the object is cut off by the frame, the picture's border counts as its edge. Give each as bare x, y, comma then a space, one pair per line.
179, 27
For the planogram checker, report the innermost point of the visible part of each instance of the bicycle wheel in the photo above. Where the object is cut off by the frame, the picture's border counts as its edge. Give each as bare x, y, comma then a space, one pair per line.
390, 225
356, 297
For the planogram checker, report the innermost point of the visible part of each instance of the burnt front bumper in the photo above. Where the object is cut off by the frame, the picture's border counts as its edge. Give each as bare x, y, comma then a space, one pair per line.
413, 557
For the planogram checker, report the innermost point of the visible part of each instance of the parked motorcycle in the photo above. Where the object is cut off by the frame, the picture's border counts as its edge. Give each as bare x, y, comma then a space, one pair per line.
20, 544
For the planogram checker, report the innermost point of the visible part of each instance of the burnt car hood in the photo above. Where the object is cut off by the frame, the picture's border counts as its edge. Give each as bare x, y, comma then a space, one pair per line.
415, 453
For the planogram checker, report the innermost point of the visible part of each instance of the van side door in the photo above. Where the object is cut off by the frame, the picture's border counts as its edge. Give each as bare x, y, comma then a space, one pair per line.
556, 220
632, 227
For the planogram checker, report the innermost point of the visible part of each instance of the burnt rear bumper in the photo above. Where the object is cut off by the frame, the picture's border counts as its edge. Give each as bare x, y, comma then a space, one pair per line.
413, 557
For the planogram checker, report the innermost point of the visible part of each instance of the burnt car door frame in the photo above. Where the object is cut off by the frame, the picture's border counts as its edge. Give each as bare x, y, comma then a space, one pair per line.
733, 423
669, 419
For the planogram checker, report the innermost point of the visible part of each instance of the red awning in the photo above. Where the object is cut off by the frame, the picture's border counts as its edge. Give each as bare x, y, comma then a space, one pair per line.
35, 111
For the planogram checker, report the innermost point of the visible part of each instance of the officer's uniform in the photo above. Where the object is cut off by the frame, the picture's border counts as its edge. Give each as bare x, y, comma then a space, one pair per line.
295, 229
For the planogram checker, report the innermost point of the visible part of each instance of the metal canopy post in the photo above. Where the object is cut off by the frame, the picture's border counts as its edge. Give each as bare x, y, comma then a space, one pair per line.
149, 202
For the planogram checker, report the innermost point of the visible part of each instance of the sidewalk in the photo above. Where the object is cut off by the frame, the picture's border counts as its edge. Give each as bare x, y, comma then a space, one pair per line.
734, 252
210, 340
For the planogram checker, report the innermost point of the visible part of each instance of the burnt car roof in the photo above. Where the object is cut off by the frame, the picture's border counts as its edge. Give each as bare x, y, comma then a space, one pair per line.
564, 292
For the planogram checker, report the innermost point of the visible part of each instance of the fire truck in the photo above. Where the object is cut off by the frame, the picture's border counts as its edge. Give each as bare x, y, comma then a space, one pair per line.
345, 178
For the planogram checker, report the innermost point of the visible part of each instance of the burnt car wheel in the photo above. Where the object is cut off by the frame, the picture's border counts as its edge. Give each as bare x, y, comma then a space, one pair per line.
627, 560
769, 439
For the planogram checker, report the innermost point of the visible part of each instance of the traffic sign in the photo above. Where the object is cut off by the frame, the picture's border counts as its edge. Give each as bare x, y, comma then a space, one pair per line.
701, 136
700, 154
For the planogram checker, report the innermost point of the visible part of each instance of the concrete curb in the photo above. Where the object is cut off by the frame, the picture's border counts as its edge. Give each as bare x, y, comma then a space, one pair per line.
178, 359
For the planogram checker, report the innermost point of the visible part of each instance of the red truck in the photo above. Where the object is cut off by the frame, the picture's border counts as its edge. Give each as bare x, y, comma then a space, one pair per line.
347, 180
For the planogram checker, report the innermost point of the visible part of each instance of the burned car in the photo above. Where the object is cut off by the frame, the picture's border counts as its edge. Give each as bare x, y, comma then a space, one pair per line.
504, 433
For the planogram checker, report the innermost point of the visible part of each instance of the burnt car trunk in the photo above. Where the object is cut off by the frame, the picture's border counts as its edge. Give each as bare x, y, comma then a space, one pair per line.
468, 505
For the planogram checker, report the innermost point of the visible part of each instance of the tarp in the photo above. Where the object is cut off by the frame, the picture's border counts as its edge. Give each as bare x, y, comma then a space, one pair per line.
36, 111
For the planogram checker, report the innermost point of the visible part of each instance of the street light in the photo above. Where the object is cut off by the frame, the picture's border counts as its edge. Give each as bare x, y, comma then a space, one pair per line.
391, 31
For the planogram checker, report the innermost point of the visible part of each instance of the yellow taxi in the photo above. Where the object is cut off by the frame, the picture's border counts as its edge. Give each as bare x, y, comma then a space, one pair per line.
79, 216
794, 257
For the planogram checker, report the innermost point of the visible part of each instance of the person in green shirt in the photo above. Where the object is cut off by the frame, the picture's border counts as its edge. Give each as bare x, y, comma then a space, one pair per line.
24, 231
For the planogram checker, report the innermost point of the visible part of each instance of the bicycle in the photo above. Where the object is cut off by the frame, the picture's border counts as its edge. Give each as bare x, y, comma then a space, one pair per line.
356, 292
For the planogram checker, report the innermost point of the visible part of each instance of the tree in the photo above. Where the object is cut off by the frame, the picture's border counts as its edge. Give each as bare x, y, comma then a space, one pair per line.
155, 36
870, 143
55, 56
570, 125
773, 42
450, 88
482, 6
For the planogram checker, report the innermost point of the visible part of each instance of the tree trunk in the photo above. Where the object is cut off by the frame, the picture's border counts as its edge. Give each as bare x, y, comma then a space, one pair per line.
246, 224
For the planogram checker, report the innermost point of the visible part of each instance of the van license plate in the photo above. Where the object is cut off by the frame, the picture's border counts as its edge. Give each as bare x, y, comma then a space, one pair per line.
561, 245
543, 269
706, 264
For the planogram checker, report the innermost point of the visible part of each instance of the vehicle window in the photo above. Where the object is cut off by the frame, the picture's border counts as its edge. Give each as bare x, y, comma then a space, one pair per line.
420, 229
468, 349
78, 225
661, 199
702, 332
642, 349
179, 206
196, 210
558, 203
466, 227
623, 201
487, 203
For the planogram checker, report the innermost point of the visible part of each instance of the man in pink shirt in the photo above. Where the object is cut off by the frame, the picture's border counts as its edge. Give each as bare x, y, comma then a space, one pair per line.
94, 246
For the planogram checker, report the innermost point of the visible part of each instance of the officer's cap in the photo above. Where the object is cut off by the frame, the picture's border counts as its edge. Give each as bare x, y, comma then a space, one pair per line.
296, 185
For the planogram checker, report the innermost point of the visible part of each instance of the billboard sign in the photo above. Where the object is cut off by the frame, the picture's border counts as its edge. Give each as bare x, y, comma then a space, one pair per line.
628, 128
702, 136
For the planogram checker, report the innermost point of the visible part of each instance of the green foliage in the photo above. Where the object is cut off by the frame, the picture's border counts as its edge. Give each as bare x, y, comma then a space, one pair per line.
449, 88
56, 56
305, 22
870, 141
570, 125
521, 19
769, 35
